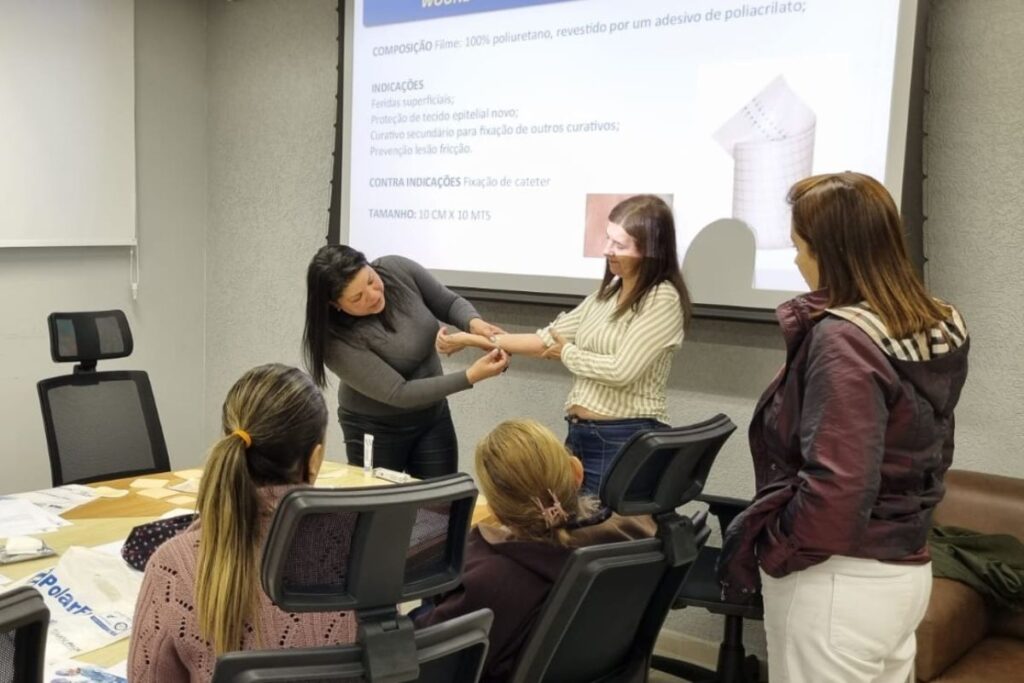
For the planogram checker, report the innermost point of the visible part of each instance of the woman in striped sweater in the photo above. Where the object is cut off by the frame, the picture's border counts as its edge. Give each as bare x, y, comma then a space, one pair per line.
619, 342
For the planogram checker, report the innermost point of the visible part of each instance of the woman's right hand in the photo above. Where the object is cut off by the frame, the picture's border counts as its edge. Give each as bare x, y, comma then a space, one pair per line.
489, 365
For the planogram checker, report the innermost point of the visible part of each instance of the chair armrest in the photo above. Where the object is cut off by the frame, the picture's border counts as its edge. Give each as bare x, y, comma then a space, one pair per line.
723, 507
956, 620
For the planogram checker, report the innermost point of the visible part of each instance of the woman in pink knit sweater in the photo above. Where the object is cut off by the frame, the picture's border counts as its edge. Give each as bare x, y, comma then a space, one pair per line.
201, 595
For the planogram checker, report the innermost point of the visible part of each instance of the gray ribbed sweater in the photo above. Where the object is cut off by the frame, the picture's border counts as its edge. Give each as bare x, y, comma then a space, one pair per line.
388, 373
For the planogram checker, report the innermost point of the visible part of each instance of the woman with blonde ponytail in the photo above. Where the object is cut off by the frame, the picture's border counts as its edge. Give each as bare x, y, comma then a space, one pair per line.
532, 485
201, 595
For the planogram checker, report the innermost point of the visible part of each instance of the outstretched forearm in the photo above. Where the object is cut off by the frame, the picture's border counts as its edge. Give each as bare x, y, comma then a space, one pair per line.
515, 344
528, 344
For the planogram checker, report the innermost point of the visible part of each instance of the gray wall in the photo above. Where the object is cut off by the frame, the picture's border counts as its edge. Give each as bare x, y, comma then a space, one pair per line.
272, 81
974, 200
271, 115
167, 318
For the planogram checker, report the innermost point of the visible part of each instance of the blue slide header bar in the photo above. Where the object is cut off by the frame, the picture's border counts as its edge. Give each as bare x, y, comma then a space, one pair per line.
380, 12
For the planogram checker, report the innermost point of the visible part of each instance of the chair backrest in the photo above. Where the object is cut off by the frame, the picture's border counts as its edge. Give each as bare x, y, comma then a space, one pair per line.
656, 469
99, 425
602, 617
24, 620
452, 652
368, 549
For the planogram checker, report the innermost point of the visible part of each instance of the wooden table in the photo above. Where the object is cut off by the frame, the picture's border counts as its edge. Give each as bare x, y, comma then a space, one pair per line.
105, 520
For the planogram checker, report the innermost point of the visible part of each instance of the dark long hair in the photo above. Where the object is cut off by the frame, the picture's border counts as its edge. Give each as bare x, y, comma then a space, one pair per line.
648, 220
330, 271
284, 417
853, 229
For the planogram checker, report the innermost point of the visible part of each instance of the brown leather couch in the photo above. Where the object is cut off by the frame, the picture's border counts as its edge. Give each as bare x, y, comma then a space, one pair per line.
960, 638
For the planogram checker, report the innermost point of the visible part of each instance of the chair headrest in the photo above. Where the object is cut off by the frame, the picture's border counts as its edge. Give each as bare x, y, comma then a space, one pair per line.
659, 470
88, 336
367, 548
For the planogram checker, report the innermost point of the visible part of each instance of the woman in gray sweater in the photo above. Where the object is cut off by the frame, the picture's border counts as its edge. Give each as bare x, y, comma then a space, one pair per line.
373, 325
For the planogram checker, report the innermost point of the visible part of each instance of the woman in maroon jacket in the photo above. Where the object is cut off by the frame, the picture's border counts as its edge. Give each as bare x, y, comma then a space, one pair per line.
532, 486
850, 443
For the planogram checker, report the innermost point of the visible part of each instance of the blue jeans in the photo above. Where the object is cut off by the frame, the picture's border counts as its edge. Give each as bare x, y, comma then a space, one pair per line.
596, 443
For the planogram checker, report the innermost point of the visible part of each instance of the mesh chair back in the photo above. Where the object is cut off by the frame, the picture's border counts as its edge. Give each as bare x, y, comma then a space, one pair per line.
368, 549
339, 549
452, 652
101, 425
603, 615
24, 619
659, 470
589, 622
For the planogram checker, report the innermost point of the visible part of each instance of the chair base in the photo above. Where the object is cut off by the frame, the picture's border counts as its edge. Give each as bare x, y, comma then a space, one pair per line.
732, 670
734, 665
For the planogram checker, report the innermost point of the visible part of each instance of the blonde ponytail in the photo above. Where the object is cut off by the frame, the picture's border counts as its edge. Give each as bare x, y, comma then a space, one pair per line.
226, 573
273, 418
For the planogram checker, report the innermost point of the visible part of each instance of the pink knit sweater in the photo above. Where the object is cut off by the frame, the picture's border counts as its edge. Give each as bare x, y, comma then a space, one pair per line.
166, 646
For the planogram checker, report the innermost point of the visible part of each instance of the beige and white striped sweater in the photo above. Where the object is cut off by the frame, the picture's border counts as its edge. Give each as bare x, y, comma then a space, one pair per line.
620, 366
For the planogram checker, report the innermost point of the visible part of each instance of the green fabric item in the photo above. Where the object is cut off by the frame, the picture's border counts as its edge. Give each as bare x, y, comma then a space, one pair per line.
992, 564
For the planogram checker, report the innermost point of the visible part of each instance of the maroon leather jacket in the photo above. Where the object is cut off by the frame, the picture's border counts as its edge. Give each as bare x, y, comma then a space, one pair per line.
850, 446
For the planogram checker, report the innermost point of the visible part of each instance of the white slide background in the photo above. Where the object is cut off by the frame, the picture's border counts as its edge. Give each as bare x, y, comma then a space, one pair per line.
657, 94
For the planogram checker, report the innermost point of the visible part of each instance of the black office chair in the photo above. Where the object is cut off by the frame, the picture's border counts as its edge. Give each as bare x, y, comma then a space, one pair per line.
99, 425
24, 620
702, 589
603, 615
368, 550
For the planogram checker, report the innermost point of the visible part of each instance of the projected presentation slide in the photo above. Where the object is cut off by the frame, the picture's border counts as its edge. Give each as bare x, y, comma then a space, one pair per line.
485, 132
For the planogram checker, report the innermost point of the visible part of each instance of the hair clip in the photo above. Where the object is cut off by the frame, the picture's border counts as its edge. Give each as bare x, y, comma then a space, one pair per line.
554, 515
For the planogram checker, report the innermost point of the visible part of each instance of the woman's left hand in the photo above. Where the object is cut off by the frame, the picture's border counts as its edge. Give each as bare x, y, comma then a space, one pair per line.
447, 343
484, 328
554, 352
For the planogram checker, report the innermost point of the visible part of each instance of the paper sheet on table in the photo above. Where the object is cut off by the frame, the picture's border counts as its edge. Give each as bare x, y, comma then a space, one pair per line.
158, 494
187, 486
4, 580
771, 140
330, 467
113, 548
91, 597
182, 500
149, 483
72, 671
60, 499
176, 512
110, 492
21, 518
335, 471
190, 474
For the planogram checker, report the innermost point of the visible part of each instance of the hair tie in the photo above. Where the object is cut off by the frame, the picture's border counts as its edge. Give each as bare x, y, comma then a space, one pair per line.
244, 436
554, 515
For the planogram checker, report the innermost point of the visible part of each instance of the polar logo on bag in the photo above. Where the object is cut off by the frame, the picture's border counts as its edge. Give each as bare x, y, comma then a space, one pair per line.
114, 623
47, 583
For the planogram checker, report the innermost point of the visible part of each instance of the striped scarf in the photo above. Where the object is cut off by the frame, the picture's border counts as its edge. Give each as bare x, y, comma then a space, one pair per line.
949, 334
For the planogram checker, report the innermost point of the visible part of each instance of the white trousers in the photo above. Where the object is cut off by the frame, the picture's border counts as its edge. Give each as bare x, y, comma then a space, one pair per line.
846, 620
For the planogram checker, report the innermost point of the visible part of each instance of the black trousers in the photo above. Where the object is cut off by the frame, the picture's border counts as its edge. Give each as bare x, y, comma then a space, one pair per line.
422, 442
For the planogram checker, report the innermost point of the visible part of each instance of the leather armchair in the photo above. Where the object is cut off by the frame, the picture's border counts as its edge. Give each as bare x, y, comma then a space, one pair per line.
961, 638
